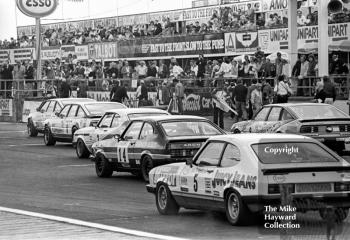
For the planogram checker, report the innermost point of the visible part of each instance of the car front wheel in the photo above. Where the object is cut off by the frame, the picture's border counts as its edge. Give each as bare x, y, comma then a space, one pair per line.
165, 201
81, 149
32, 132
237, 212
103, 167
49, 140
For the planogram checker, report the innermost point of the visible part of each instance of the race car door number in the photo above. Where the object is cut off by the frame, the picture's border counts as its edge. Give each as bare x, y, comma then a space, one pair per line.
122, 151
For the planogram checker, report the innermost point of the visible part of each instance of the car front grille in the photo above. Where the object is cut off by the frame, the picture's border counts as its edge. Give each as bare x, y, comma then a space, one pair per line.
316, 129
309, 129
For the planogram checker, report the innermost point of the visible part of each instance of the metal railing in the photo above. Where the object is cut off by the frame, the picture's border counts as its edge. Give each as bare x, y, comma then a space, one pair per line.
51, 87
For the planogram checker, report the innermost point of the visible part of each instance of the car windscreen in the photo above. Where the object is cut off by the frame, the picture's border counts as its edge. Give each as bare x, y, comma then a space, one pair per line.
292, 152
142, 115
76, 100
100, 108
189, 128
317, 112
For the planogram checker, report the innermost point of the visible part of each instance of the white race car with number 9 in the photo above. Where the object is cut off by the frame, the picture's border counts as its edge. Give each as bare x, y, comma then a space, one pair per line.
241, 174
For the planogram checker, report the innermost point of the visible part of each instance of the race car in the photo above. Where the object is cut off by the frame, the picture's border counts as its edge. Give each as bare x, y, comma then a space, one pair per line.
242, 174
62, 126
47, 109
112, 122
323, 122
150, 142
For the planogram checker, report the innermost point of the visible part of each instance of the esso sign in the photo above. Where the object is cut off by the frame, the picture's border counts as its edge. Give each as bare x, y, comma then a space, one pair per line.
37, 8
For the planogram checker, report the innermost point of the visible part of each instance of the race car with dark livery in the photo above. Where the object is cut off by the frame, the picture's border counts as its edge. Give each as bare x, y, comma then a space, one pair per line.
150, 142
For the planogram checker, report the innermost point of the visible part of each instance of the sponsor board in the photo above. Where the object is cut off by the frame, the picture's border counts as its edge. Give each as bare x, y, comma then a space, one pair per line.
6, 107
82, 52
273, 40
50, 54
246, 42
103, 50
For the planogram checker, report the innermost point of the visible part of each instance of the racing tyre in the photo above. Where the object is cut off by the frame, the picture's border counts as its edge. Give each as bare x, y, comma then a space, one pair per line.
32, 132
237, 212
49, 140
81, 149
165, 201
103, 167
340, 214
146, 166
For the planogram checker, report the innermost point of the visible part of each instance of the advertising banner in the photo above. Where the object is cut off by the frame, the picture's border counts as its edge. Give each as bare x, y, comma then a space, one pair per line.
246, 42
66, 50
6, 107
273, 40
82, 52
4, 56
103, 50
23, 54
50, 54
245, 5
273, 5
173, 46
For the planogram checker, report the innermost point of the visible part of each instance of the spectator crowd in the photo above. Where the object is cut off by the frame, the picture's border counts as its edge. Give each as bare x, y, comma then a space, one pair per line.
223, 20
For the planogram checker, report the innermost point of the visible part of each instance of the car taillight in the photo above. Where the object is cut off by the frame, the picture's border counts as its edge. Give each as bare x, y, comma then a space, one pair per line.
341, 186
308, 129
275, 189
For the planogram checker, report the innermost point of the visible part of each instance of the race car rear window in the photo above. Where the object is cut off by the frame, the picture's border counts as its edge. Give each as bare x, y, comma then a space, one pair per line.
292, 152
189, 128
142, 115
318, 112
100, 108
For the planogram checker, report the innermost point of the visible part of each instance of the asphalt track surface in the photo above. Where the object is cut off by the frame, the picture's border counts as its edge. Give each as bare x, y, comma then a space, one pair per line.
52, 180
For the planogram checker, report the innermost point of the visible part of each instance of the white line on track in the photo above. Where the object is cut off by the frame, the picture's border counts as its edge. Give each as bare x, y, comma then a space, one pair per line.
27, 144
90, 224
82, 165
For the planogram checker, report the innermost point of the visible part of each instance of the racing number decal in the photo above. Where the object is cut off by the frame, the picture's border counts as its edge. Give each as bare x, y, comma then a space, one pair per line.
195, 183
122, 152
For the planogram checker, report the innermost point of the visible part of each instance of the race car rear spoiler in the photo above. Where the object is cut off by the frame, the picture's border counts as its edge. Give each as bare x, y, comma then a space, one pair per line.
324, 120
305, 169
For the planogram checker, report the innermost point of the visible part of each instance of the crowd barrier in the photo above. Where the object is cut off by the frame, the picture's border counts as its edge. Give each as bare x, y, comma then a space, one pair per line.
20, 97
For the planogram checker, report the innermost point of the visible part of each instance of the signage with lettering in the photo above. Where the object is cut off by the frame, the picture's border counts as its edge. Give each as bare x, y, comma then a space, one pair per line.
246, 42
49, 54
273, 5
82, 52
103, 50
37, 8
6, 107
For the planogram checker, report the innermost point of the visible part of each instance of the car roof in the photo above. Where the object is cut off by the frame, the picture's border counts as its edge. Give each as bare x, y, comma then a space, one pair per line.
174, 117
253, 138
135, 110
297, 104
73, 100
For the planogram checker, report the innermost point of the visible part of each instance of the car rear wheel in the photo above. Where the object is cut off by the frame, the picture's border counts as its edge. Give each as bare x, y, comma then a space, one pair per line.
146, 166
103, 167
49, 140
32, 132
340, 214
165, 201
237, 212
81, 149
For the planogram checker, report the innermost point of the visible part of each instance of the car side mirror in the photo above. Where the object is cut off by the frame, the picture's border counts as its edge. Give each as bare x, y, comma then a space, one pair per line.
37, 109
93, 124
189, 162
118, 137
57, 114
